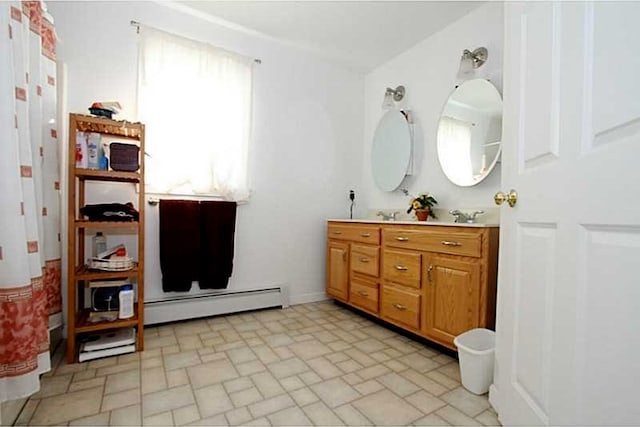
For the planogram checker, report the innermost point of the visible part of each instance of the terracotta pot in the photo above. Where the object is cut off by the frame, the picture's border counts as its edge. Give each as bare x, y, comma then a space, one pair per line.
422, 214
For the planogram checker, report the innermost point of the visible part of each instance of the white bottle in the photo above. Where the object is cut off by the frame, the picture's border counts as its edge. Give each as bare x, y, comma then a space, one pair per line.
94, 148
81, 150
99, 244
126, 302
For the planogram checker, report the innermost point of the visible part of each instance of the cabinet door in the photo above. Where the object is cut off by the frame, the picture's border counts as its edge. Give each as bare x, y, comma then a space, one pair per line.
338, 269
452, 297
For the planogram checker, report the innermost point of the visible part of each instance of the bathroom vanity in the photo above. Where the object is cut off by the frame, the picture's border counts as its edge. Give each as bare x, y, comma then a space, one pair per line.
433, 279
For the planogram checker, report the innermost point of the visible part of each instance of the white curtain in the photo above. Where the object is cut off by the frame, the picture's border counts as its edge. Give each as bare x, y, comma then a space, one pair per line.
195, 101
30, 299
454, 142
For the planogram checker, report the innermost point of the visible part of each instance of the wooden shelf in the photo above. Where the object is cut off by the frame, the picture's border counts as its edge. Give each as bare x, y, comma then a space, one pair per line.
84, 273
83, 324
120, 128
83, 223
101, 175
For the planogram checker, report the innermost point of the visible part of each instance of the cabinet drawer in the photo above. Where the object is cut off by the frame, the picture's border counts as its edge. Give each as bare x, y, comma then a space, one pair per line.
400, 306
365, 259
364, 295
402, 267
456, 242
355, 233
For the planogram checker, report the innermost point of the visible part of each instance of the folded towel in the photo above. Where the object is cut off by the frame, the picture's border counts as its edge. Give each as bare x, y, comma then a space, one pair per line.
179, 244
217, 229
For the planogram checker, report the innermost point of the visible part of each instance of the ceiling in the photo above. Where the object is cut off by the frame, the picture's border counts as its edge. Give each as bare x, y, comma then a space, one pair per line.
358, 34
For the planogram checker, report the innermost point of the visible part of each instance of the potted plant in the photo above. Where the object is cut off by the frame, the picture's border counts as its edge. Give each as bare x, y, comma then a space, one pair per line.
422, 206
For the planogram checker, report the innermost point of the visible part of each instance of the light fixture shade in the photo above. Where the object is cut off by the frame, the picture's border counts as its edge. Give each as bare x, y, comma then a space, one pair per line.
387, 103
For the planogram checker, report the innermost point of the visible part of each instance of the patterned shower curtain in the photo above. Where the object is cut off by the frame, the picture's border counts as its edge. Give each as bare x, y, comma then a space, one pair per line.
30, 295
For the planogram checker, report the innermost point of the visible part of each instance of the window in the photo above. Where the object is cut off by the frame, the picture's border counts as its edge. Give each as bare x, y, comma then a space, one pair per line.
195, 101
457, 135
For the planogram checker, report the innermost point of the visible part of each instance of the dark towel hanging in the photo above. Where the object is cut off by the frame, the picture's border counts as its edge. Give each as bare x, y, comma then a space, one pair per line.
217, 228
179, 244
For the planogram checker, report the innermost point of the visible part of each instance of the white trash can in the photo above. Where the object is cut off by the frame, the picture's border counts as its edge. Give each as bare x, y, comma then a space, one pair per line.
475, 350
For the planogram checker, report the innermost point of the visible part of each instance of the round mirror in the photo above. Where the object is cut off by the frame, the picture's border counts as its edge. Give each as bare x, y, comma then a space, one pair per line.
391, 150
470, 132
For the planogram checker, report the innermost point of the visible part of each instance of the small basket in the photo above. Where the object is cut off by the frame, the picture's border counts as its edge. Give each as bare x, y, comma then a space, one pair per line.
111, 264
124, 157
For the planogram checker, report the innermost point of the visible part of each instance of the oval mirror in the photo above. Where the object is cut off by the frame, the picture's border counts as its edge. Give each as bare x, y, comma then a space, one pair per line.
391, 150
470, 132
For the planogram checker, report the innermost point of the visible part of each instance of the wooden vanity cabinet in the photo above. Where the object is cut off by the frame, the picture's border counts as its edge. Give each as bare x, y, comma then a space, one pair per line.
435, 281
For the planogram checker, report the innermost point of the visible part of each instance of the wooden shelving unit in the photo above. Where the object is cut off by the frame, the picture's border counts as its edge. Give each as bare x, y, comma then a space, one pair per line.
79, 274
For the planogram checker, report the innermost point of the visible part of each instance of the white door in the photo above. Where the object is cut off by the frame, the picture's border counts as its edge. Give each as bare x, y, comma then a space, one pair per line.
568, 320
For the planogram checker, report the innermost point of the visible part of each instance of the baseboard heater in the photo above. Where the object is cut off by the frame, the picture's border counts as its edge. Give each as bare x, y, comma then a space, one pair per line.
212, 304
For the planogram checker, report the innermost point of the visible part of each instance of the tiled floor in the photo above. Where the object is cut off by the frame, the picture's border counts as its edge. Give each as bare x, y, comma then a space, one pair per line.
311, 364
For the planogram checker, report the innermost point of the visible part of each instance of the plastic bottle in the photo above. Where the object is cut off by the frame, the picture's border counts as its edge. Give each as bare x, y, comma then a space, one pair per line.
126, 302
94, 150
99, 243
81, 150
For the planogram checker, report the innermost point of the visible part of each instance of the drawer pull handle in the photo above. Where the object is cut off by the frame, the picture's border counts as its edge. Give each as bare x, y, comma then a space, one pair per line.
429, 277
399, 306
365, 234
363, 293
337, 232
402, 239
363, 259
401, 267
448, 243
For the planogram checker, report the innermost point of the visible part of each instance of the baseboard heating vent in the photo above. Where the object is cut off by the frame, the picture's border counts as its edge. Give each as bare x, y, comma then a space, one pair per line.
212, 304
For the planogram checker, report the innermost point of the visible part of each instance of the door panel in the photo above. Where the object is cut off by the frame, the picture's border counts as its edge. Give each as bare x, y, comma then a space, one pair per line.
337, 269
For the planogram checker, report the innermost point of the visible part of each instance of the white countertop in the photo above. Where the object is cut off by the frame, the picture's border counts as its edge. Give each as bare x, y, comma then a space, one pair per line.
430, 222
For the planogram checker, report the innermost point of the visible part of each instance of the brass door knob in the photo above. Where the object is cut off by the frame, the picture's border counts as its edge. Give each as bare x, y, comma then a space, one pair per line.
511, 198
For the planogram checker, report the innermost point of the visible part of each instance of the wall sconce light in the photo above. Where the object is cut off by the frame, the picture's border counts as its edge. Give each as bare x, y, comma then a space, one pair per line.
472, 60
391, 95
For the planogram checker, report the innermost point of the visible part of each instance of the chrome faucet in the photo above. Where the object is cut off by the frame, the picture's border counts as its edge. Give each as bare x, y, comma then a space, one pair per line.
469, 218
388, 216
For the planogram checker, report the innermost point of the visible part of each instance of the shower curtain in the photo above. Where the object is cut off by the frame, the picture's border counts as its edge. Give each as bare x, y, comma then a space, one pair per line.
30, 295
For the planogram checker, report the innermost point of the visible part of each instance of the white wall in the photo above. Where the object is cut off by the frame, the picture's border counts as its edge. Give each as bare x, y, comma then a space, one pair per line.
305, 156
429, 73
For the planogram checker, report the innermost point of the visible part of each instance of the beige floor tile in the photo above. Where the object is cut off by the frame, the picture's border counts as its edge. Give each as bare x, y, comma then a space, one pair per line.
431, 420
443, 379
400, 344
425, 402
211, 373
118, 368
398, 384
288, 367
171, 349
237, 384
163, 419
181, 360
263, 421
352, 379
335, 392
348, 366
245, 397
51, 386
304, 396
213, 400
191, 328
324, 368
101, 419
374, 371
370, 345
241, 355
249, 368
310, 378
469, 403
339, 345
185, 415
153, 343
148, 354
190, 342
321, 415
419, 362
267, 384
385, 408
265, 354
452, 370
27, 412
151, 362
351, 416
423, 382
368, 387
238, 416
269, 406
166, 400
176, 378
84, 375
291, 383
289, 417
488, 418
455, 417
283, 352
102, 363
122, 381
90, 383
379, 356
216, 420
360, 357
395, 366
153, 380
129, 357
127, 416
121, 399
66, 407
310, 349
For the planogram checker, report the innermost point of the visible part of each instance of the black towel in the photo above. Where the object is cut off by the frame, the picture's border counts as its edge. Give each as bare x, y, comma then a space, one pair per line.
217, 228
179, 244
